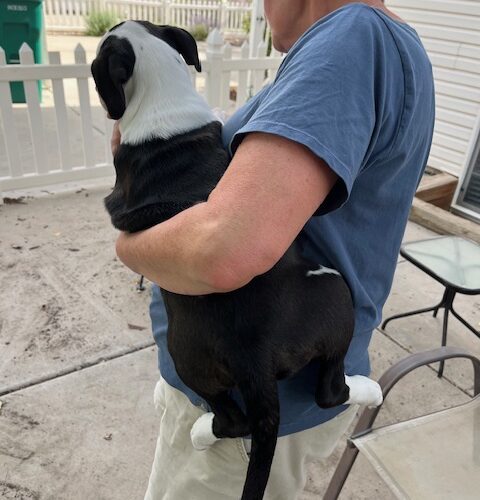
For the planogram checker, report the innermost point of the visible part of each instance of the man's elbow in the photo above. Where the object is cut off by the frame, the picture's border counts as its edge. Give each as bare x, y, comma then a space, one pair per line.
123, 249
229, 274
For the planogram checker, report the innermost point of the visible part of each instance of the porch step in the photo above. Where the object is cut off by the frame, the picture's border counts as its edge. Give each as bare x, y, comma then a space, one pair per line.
438, 189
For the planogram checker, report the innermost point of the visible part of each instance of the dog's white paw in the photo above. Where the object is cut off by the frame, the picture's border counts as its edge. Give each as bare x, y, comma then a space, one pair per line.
364, 391
201, 434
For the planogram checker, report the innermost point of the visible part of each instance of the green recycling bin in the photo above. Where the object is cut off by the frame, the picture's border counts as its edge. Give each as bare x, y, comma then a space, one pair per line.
21, 21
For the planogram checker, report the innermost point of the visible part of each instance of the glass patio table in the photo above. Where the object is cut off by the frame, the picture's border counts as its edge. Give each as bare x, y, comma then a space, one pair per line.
455, 263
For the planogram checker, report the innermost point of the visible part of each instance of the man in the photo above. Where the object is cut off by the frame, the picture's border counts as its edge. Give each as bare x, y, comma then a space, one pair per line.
331, 154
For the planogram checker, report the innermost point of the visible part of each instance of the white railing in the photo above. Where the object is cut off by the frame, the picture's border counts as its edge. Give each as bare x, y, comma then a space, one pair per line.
227, 15
66, 136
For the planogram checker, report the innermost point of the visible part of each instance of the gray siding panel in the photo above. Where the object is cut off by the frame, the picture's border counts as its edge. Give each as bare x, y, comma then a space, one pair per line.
450, 30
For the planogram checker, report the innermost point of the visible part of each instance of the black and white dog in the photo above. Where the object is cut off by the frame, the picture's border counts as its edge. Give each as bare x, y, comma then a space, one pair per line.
171, 157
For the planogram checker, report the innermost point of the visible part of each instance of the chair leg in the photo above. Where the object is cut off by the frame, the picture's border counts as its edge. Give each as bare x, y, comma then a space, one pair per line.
341, 473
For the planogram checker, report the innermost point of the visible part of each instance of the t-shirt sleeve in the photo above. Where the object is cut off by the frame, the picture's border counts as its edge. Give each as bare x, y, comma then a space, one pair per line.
325, 97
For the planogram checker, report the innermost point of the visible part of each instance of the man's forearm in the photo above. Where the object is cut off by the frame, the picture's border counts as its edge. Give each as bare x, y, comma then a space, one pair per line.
250, 219
183, 255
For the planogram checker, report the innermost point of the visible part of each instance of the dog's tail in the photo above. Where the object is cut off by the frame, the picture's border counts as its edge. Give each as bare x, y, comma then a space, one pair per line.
262, 409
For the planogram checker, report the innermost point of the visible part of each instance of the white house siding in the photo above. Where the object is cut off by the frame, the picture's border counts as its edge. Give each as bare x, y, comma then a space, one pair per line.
450, 30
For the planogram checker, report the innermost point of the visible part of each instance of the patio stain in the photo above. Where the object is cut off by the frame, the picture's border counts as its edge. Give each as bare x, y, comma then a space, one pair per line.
53, 335
10, 491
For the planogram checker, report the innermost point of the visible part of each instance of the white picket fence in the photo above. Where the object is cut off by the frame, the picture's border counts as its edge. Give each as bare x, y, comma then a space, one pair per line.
55, 151
227, 15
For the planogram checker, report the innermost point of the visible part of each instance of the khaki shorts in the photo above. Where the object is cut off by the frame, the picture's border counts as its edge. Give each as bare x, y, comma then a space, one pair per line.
180, 472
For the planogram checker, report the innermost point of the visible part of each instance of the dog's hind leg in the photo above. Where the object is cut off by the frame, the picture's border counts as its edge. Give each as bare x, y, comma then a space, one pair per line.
225, 420
331, 387
335, 388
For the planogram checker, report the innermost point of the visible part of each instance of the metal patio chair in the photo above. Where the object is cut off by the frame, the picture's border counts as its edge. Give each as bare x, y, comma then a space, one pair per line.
434, 456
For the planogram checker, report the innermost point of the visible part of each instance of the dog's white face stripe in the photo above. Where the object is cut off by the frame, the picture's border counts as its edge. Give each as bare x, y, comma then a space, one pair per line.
322, 270
160, 98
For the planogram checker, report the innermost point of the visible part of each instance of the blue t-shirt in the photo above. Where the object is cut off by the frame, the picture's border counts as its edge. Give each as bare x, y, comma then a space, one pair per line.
357, 90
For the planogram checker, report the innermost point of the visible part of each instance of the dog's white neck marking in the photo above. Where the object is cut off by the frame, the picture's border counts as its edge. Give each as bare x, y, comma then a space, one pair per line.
160, 96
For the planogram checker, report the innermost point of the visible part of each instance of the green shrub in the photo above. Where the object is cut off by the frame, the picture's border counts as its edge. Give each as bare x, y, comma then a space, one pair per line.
246, 23
199, 32
99, 22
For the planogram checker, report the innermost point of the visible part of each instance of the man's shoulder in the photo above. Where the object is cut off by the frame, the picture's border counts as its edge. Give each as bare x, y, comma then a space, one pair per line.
353, 20
355, 30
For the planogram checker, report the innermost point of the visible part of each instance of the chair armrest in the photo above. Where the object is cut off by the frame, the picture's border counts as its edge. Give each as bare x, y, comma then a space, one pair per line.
404, 367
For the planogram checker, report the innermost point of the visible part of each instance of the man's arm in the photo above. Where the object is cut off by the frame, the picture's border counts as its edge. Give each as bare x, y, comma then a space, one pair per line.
269, 191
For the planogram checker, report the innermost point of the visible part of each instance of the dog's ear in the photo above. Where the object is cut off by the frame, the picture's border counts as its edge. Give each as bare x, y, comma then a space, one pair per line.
111, 69
179, 39
184, 43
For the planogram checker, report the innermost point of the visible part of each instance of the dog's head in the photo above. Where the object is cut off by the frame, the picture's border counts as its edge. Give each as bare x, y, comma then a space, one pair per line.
119, 52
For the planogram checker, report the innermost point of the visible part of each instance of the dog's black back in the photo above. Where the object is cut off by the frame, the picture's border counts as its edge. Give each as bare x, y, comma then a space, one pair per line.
156, 180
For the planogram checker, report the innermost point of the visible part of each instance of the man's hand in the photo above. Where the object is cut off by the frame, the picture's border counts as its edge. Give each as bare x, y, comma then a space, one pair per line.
116, 138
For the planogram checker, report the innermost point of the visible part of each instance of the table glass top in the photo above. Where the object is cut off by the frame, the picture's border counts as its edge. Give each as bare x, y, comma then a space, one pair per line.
453, 259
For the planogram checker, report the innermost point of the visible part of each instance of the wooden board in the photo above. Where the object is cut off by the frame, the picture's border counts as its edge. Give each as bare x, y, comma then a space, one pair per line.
442, 221
437, 189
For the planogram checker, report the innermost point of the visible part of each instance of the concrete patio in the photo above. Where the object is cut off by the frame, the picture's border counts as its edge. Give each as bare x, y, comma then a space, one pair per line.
78, 365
